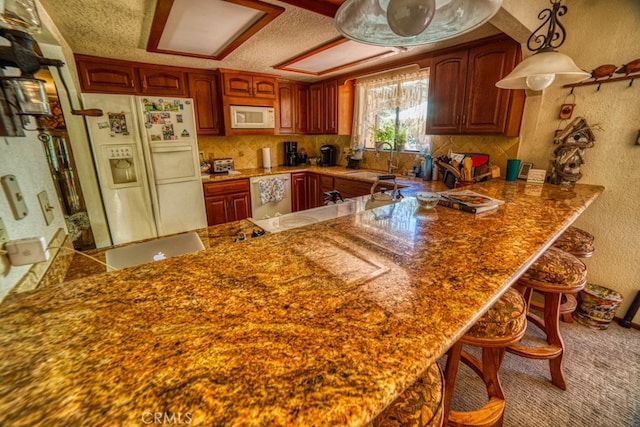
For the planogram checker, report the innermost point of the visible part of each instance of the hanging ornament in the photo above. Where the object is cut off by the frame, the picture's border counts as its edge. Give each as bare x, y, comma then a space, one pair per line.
566, 109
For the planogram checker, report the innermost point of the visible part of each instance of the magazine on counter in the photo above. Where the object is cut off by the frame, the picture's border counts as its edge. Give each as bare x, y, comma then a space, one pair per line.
468, 201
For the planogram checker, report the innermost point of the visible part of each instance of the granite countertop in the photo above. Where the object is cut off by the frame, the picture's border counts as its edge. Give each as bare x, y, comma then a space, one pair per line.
320, 325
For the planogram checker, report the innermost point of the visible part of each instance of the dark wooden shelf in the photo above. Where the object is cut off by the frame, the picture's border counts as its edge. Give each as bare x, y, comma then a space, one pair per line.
599, 82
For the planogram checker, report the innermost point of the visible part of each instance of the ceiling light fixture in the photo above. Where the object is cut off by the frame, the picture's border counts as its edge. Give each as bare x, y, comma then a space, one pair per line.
24, 94
411, 22
546, 66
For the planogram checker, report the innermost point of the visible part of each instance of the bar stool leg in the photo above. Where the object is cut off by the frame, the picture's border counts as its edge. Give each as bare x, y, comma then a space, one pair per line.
450, 373
554, 350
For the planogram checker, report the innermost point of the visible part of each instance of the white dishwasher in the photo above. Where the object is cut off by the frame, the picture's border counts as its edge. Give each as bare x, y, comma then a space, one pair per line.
269, 209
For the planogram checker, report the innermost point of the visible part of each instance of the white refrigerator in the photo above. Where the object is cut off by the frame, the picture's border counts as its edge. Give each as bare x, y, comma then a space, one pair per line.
146, 155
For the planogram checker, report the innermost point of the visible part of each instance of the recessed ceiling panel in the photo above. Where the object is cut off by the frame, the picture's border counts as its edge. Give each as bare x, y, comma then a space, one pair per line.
337, 55
194, 26
207, 28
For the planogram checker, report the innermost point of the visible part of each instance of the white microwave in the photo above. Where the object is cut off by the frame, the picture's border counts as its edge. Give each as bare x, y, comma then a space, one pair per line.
251, 117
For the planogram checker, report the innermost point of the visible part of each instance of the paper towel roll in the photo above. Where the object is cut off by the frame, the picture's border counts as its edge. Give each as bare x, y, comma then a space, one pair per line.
266, 157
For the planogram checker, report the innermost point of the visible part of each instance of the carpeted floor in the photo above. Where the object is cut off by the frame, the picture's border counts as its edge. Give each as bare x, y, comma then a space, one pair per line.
602, 368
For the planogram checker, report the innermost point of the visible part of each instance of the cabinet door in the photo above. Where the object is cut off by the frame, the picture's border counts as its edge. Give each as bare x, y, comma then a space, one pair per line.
203, 88
287, 111
162, 81
239, 206
316, 108
314, 196
301, 109
298, 192
326, 184
486, 106
216, 209
237, 84
446, 93
264, 87
330, 107
99, 77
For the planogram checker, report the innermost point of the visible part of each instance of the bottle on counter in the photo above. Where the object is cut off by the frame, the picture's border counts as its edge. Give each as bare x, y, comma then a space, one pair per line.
427, 165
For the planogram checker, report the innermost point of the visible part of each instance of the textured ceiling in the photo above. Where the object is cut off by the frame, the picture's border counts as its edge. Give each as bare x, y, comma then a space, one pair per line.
120, 29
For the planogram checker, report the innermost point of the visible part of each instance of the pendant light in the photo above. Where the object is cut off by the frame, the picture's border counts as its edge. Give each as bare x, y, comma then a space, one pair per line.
411, 22
546, 66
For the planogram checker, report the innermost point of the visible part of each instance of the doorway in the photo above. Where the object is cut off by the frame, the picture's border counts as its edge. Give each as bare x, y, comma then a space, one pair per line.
57, 148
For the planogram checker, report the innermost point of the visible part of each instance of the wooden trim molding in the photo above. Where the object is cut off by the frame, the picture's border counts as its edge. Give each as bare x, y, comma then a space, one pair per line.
323, 7
163, 9
287, 66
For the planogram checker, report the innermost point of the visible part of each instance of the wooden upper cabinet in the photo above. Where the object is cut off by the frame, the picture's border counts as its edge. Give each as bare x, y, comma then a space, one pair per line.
330, 92
448, 75
249, 85
463, 97
162, 81
316, 108
301, 97
286, 113
107, 77
203, 88
487, 106
293, 114
324, 107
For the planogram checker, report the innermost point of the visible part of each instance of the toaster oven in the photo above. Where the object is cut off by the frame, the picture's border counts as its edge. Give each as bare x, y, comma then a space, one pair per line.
222, 165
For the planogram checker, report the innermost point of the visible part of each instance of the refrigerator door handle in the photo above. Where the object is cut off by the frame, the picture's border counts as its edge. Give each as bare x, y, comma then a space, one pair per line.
169, 149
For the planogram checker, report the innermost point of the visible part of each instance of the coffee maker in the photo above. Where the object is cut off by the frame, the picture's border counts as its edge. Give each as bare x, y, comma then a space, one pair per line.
328, 155
290, 153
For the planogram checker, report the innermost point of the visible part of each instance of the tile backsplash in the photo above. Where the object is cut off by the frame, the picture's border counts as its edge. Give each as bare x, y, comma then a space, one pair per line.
246, 151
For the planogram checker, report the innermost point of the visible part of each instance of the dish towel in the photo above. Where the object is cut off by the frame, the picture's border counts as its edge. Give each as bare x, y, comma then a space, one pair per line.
271, 190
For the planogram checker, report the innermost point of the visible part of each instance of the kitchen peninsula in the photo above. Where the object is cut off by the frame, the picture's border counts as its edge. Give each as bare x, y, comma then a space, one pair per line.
320, 325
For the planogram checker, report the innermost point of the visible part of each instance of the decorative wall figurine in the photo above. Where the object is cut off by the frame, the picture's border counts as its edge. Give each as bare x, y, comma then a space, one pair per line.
606, 70
569, 155
630, 68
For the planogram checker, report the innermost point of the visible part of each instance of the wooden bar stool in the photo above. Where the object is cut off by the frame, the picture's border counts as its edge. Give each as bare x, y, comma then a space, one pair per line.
578, 243
419, 405
555, 273
502, 325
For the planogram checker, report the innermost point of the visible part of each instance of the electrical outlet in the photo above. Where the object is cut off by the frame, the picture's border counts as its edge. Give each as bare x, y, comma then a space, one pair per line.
4, 260
4, 235
47, 209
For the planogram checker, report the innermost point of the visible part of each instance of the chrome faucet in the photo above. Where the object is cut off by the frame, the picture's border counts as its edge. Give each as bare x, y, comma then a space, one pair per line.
391, 166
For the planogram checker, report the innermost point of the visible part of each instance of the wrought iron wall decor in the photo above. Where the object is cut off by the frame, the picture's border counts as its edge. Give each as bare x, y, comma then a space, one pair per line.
604, 74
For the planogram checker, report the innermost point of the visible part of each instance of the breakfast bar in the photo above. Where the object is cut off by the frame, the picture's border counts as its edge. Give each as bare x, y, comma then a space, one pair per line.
320, 325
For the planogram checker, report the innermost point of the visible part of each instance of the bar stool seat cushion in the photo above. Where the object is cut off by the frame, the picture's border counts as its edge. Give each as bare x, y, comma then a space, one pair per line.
506, 317
576, 241
419, 405
556, 268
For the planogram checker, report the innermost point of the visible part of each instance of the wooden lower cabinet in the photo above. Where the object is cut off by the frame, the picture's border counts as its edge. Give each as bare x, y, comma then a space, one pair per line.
227, 201
353, 188
305, 191
314, 196
298, 192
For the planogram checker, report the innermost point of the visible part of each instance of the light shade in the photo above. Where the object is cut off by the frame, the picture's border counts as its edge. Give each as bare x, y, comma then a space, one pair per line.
537, 68
31, 97
19, 15
366, 21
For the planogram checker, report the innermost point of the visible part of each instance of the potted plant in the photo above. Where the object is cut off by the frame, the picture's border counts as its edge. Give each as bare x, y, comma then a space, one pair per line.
387, 133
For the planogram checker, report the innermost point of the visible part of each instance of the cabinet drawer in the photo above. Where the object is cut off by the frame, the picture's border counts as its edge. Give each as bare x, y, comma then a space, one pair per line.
225, 187
326, 182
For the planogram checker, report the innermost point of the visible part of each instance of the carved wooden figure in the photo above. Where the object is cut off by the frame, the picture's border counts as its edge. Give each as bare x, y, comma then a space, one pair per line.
569, 155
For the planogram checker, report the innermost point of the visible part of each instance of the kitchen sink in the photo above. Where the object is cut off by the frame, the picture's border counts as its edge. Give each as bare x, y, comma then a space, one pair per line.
365, 174
306, 217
